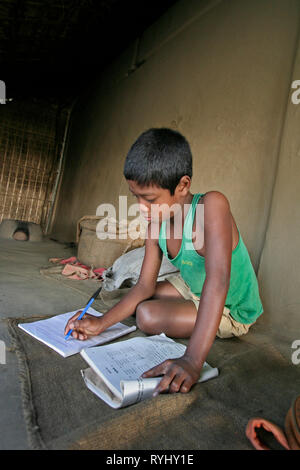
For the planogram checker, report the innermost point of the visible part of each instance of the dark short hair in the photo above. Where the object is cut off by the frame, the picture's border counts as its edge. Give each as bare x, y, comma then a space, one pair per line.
159, 157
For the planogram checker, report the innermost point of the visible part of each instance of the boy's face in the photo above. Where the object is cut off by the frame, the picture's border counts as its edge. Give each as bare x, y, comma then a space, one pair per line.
155, 202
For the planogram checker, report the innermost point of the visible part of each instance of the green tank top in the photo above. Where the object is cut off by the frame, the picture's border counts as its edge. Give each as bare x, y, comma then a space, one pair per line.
243, 299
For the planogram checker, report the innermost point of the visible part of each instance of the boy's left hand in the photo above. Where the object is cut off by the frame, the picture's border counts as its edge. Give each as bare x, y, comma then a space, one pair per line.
179, 375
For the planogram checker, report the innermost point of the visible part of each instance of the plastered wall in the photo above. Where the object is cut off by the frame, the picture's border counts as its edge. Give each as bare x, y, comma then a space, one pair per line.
279, 270
220, 73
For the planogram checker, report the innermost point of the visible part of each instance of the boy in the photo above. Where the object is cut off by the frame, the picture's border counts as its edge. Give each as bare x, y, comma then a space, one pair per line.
216, 292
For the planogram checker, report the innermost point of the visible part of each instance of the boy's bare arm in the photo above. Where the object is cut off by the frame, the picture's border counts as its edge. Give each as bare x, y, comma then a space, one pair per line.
181, 374
218, 249
144, 289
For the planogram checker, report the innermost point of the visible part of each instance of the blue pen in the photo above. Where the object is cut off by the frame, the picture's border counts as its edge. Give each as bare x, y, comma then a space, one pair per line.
94, 296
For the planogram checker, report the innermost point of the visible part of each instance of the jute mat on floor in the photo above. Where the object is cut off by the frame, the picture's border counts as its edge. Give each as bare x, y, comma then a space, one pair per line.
61, 413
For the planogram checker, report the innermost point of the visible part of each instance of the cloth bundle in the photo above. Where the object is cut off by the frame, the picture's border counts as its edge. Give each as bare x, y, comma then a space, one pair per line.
73, 269
126, 269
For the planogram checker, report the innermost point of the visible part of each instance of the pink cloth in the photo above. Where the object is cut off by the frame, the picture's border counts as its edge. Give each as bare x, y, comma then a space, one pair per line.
75, 270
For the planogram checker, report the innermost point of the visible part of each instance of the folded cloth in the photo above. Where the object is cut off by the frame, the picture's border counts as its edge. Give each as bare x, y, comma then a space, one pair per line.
124, 272
73, 269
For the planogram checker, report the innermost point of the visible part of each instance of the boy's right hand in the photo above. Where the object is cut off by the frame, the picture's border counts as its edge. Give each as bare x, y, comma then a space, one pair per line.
84, 329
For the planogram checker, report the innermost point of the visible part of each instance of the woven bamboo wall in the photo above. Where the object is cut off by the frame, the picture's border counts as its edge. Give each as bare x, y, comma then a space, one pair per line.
30, 142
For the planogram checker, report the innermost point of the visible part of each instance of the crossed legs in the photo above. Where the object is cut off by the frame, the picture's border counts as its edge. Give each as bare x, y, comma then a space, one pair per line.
167, 312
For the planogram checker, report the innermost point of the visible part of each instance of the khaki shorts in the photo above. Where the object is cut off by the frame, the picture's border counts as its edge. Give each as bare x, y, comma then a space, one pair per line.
228, 326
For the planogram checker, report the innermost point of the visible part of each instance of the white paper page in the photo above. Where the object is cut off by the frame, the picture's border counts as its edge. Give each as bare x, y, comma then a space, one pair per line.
140, 389
51, 332
99, 388
128, 359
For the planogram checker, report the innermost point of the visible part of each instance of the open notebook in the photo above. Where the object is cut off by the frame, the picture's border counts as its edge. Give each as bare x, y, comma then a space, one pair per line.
51, 332
115, 370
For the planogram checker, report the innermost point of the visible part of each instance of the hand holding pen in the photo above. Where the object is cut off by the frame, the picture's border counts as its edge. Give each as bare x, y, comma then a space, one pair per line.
81, 328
